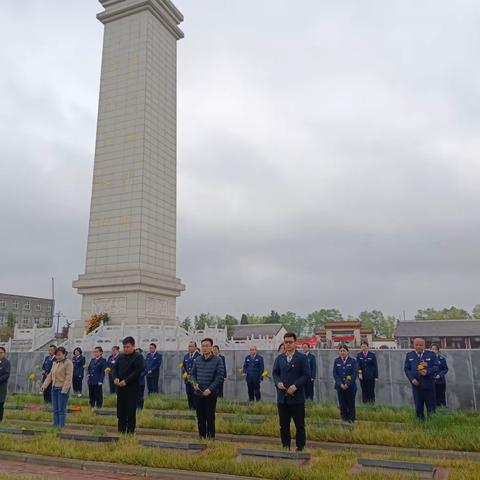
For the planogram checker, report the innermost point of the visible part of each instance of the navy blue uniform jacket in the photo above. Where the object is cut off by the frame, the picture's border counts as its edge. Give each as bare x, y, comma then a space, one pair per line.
412, 360
368, 365
442, 369
153, 361
188, 363
96, 371
47, 366
312, 363
78, 364
345, 372
297, 373
253, 368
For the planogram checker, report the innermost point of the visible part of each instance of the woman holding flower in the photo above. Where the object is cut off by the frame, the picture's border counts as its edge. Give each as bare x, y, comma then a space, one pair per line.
78, 361
60, 378
345, 371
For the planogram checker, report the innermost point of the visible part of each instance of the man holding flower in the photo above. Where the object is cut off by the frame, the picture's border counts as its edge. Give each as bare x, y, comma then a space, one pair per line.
421, 368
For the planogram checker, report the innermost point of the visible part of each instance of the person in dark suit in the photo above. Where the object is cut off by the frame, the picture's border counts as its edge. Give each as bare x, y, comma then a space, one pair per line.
440, 381
312, 363
153, 362
111, 360
4, 376
367, 372
187, 365
421, 368
216, 352
78, 361
46, 369
253, 368
291, 372
96, 374
345, 372
141, 382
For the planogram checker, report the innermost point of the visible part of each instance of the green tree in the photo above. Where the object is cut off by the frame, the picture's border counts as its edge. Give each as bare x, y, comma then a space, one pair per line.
319, 318
244, 319
382, 327
229, 321
186, 324
274, 317
204, 320
476, 312
452, 313
293, 322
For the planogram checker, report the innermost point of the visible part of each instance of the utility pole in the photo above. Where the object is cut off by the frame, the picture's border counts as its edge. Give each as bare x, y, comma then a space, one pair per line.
58, 315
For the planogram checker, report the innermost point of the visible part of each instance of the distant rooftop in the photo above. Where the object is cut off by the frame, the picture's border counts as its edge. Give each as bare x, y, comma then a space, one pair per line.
438, 328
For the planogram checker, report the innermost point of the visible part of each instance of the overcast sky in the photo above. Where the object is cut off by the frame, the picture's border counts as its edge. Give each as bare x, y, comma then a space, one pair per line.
328, 152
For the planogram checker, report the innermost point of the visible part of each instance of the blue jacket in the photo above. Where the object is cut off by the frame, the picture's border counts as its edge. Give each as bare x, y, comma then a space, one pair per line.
96, 371
312, 363
345, 372
253, 368
297, 373
442, 370
153, 361
224, 366
368, 365
208, 373
188, 363
412, 360
111, 361
78, 364
47, 366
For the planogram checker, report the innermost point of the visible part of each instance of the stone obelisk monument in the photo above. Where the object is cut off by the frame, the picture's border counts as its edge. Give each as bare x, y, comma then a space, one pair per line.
131, 253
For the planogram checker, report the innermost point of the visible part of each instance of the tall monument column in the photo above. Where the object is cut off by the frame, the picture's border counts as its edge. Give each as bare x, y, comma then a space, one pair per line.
131, 253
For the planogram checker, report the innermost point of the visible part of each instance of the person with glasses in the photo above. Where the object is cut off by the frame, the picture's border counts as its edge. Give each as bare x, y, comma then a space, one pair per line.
291, 372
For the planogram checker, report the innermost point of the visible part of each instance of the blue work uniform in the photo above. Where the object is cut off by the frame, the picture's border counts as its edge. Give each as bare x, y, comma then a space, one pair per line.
440, 382
291, 371
153, 362
309, 386
111, 361
78, 373
187, 365
253, 367
46, 368
424, 392
96, 375
367, 365
220, 389
345, 373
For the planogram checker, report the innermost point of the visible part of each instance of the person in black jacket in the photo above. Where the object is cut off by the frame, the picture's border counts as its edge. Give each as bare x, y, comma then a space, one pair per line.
312, 362
126, 372
291, 372
206, 377
4, 376
440, 382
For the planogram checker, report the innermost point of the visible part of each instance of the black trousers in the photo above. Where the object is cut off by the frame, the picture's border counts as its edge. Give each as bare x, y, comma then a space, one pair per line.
423, 398
127, 398
286, 413
309, 389
190, 396
368, 390
440, 394
77, 383
111, 385
95, 394
47, 394
206, 415
254, 391
1, 410
152, 382
141, 396
220, 391
346, 402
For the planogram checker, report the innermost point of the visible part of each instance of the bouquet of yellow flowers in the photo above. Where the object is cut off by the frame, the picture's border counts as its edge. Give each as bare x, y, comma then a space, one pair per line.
421, 366
108, 371
180, 365
348, 378
360, 374
185, 376
32, 376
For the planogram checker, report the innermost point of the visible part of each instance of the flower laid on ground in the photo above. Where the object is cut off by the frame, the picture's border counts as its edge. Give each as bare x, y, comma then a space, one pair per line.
76, 408
95, 321
32, 376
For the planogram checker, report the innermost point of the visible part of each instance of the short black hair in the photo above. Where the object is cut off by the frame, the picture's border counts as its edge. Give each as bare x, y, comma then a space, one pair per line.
290, 335
99, 348
79, 350
54, 347
153, 345
193, 341
3, 349
216, 346
343, 346
128, 340
307, 344
435, 345
62, 350
115, 347
208, 340
364, 342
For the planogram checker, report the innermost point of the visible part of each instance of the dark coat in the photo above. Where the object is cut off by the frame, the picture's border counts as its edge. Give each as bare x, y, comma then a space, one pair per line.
297, 373
208, 373
345, 372
130, 368
253, 368
442, 370
4, 376
153, 361
96, 371
368, 365
188, 363
47, 366
412, 360
312, 363
78, 366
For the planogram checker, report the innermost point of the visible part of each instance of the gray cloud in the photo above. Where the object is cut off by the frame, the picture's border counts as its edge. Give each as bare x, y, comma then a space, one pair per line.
328, 152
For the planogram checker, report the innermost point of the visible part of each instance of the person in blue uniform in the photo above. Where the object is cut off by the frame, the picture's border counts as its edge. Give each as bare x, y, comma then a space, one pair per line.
291, 372
5, 369
440, 381
96, 375
216, 352
421, 368
187, 365
153, 362
78, 361
46, 369
253, 367
345, 372
111, 361
312, 363
141, 382
367, 372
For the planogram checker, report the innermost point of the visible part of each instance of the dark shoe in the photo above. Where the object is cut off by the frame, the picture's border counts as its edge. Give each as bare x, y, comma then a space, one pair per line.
299, 449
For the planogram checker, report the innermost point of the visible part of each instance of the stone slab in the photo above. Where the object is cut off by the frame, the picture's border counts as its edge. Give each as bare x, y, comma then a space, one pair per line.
251, 454
87, 438
184, 447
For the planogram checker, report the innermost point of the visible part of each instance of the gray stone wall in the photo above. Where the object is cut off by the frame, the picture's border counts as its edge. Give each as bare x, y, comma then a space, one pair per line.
463, 378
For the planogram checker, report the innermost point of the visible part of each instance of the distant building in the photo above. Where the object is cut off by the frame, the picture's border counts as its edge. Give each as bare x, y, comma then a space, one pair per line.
27, 311
267, 336
446, 333
334, 334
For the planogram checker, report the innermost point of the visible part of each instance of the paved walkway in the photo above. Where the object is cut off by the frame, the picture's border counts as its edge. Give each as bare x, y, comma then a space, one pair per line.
21, 469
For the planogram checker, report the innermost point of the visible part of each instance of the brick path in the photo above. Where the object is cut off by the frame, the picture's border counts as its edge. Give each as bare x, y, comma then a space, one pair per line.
42, 471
